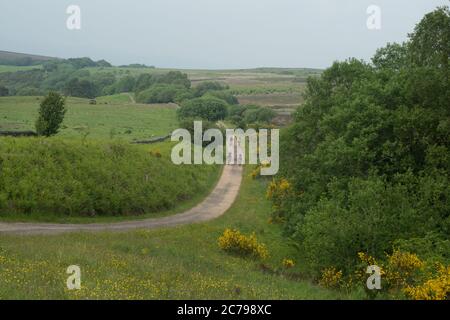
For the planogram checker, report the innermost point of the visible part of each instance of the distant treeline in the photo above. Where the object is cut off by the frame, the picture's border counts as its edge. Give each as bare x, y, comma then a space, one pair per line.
19, 61
68, 76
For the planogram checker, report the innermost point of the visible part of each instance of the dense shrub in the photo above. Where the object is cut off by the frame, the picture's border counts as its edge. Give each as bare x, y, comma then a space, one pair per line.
258, 115
64, 177
207, 108
244, 115
80, 88
147, 80
208, 86
368, 154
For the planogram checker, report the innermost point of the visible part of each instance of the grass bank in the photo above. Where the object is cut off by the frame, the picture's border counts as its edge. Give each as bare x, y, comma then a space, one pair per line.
61, 180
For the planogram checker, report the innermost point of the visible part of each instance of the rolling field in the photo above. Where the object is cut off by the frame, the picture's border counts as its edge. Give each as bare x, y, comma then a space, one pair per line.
115, 119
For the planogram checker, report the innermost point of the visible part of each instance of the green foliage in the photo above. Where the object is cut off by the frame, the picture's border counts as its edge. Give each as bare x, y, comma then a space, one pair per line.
51, 114
68, 177
73, 77
188, 124
3, 91
430, 41
126, 84
207, 86
206, 108
368, 154
245, 115
258, 115
80, 88
147, 80
161, 93
225, 96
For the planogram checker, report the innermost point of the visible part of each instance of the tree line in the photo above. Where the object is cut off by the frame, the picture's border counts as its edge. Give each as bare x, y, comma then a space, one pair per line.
367, 159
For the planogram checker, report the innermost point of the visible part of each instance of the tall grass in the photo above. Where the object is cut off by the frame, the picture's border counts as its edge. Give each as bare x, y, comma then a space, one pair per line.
93, 178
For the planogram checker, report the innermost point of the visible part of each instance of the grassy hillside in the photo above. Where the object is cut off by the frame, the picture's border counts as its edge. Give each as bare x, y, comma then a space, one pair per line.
109, 118
21, 59
176, 263
53, 179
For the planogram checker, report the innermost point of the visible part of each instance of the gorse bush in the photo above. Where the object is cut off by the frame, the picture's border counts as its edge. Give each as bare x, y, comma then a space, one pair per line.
62, 177
404, 272
436, 288
368, 156
235, 242
331, 278
288, 263
401, 274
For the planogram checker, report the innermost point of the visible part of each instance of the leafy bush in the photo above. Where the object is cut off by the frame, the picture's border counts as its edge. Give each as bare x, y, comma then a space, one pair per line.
259, 115
235, 242
208, 86
207, 108
51, 114
243, 116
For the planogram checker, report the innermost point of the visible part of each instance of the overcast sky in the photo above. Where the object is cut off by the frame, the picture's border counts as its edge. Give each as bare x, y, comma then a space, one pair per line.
210, 34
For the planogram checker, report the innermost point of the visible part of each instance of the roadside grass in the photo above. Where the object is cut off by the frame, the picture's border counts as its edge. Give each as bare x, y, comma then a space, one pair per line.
83, 120
184, 262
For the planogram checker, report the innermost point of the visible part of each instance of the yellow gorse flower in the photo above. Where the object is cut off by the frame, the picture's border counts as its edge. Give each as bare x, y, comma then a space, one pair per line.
331, 278
437, 288
288, 263
234, 241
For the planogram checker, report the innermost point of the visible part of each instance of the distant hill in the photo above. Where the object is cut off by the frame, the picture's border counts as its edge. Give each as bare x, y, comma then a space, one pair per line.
21, 59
